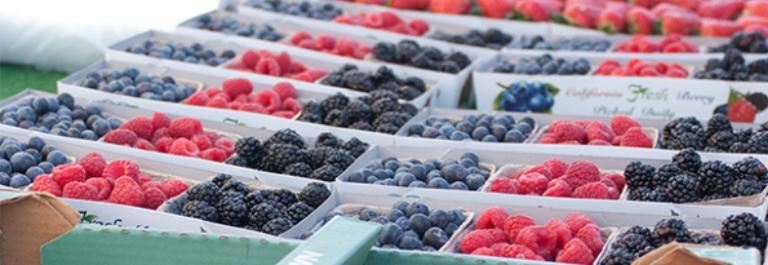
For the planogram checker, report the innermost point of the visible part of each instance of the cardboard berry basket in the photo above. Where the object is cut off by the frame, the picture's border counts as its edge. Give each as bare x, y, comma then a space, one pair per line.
452, 83
639, 97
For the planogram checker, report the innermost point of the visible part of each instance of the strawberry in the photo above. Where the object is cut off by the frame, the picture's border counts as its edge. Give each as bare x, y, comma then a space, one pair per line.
496, 8
756, 8
450, 6
612, 20
409, 4
640, 20
742, 111
662, 9
748, 21
721, 9
644, 3
691, 5
682, 23
533, 10
719, 28
581, 14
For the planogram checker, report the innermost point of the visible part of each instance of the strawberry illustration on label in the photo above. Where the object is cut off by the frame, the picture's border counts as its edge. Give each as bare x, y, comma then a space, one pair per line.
742, 111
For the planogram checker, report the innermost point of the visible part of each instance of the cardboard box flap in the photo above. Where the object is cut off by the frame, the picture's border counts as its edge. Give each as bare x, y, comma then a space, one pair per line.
342, 241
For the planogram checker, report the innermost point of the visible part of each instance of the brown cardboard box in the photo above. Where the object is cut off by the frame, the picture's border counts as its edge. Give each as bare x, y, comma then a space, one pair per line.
29, 220
674, 253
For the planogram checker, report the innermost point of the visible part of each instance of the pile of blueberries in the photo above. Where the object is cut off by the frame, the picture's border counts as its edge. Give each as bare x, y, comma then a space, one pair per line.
463, 174
60, 116
525, 96
132, 82
483, 127
491, 38
195, 53
308, 9
545, 65
410, 226
21, 162
537, 42
231, 26
734, 67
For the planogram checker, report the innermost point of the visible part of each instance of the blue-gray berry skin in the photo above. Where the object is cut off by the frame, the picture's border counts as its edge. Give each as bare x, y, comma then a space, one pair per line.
420, 223
418, 184
46, 166
438, 183
405, 179
475, 181
457, 216
458, 185
401, 205
57, 158
36, 142
514, 136
404, 222
409, 243
389, 234
5, 179
395, 214
435, 237
451, 228
416, 207
33, 172
21, 161
368, 214
439, 218
19, 180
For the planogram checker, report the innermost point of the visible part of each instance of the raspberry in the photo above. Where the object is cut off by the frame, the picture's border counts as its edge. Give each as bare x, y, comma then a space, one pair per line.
250, 59
269, 66
556, 167
217, 102
198, 98
497, 234
269, 99
143, 178
594, 190
635, 137
548, 138
575, 252
315, 74
596, 130
67, 173
173, 187
557, 188
576, 221
533, 183
420, 26
93, 164
590, 235
284, 61
184, 147
529, 237
45, 183
561, 231
519, 252
621, 123
514, 223
153, 197
213, 91
361, 52
225, 145
292, 105
325, 42
504, 185
185, 127
159, 120
581, 172
484, 251
127, 191
491, 218
237, 86
252, 107
617, 140
477, 239
285, 90
79, 190
213, 154
568, 131
121, 137
299, 36
617, 179
119, 168
345, 46
201, 141
163, 144
541, 169
142, 126
309, 44
144, 145
103, 187
160, 133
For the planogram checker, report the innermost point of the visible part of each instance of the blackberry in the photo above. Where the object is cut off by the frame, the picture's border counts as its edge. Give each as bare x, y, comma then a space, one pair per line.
337, 118
688, 160
384, 74
394, 118
733, 57
762, 128
618, 256
705, 239
311, 117
460, 59
358, 80
236, 161
744, 230
640, 230
658, 194
743, 135
279, 156
639, 175
423, 62
721, 140
258, 196
635, 243
207, 191
284, 197
682, 189
339, 158
277, 226
286, 136
684, 133
415, 82
326, 173
361, 125
263, 213
319, 154
232, 209
716, 177
221, 179
664, 173
380, 94
314, 194
355, 147
337, 101
758, 143
745, 187
383, 105
312, 107
408, 93
329, 140
750, 168
739, 148
718, 123
759, 66
448, 67
358, 111
200, 210
299, 169
385, 51
298, 211
236, 186
669, 230
334, 79
249, 148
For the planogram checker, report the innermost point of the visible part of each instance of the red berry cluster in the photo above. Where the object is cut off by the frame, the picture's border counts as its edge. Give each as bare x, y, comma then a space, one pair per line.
181, 136
555, 178
266, 63
670, 44
637, 67
235, 94
575, 239
329, 44
385, 21
120, 181
624, 131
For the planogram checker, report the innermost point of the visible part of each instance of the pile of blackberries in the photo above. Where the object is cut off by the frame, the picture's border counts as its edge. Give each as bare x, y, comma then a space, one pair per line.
308, 9
132, 82
195, 53
688, 179
537, 42
427, 57
750, 42
734, 67
231, 26
286, 152
378, 112
466, 174
21, 162
229, 201
60, 116
483, 128
410, 226
491, 38
351, 77
718, 136
545, 65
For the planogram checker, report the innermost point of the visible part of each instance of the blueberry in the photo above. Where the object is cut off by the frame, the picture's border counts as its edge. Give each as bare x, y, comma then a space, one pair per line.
47, 149
5, 166
19, 180
389, 233
40, 105
458, 185
401, 205
409, 243
499, 131
381, 174
36, 142
65, 99
35, 154
467, 163
10, 122
438, 183
34, 171
5, 180
368, 214
475, 181
420, 223
26, 113
356, 177
390, 182
57, 158
77, 114
454, 172
114, 123
439, 218
479, 133
403, 222
457, 216
405, 179
435, 237
46, 166
459, 136
21, 161
430, 132
89, 135
392, 165
451, 228
395, 214
416, 207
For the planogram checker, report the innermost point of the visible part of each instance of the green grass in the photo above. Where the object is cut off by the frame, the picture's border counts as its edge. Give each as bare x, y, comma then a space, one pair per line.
14, 78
